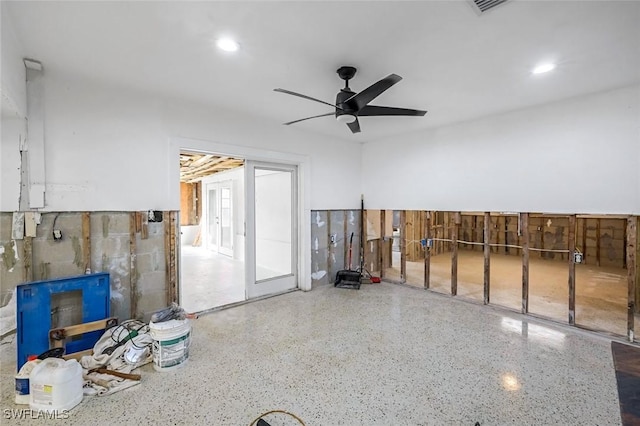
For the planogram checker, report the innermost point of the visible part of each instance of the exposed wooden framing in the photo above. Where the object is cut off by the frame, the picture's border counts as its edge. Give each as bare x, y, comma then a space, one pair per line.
403, 246
624, 250
572, 270
346, 239
427, 250
632, 244
363, 241
487, 256
27, 247
524, 217
330, 246
408, 231
144, 228
194, 167
86, 241
598, 242
474, 227
541, 236
138, 222
584, 239
133, 265
498, 233
171, 255
454, 253
637, 267
381, 245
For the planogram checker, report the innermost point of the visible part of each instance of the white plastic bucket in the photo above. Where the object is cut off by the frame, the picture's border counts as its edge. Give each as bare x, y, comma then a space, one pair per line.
171, 341
55, 385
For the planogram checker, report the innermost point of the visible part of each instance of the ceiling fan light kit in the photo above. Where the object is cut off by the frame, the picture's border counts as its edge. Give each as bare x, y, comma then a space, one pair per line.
350, 105
345, 118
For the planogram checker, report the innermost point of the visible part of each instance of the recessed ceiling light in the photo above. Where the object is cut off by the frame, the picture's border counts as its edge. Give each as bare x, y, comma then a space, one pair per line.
227, 44
540, 69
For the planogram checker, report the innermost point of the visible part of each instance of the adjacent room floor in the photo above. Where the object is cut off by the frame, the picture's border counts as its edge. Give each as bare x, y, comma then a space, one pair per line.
381, 355
209, 279
601, 291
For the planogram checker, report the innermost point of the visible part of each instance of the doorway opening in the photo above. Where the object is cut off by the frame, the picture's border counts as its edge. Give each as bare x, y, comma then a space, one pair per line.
211, 231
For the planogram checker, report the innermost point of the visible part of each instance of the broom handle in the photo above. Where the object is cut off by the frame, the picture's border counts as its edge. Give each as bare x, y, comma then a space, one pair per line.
350, 246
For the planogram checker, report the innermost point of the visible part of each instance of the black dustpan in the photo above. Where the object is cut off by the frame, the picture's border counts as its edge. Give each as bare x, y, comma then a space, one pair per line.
348, 278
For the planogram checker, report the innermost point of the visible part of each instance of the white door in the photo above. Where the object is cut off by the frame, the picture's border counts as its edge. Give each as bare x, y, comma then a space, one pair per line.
219, 218
272, 228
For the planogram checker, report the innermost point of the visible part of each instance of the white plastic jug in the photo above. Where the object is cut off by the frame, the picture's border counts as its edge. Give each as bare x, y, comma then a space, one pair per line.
55, 385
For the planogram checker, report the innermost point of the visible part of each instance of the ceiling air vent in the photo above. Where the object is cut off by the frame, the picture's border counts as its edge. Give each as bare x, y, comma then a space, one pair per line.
482, 6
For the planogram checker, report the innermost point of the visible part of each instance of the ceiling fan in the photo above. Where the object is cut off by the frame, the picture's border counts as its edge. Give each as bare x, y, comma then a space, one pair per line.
350, 105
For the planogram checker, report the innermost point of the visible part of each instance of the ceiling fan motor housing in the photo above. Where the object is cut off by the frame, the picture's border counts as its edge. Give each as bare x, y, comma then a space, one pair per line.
342, 96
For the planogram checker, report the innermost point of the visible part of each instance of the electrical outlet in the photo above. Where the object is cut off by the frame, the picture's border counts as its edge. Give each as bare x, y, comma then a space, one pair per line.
57, 234
577, 257
334, 238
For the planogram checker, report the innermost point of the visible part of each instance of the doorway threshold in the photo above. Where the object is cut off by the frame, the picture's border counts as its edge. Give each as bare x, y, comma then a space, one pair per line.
244, 302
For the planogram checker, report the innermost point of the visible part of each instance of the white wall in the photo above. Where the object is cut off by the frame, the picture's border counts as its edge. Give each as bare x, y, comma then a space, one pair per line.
577, 156
13, 73
14, 106
101, 140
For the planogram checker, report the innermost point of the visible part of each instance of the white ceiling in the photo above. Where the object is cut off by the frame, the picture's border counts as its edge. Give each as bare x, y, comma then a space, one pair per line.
456, 64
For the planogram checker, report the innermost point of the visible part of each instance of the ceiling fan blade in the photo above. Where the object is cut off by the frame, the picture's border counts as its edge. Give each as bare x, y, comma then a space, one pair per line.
373, 110
370, 93
309, 118
355, 126
288, 92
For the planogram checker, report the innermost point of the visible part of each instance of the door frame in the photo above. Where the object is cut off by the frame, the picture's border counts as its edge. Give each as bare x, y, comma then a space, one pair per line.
281, 283
303, 163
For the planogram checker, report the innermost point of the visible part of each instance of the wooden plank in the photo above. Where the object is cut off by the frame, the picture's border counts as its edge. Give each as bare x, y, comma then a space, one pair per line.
381, 244
76, 355
487, 256
524, 217
363, 241
454, 253
173, 239
632, 246
498, 233
62, 333
637, 267
331, 248
167, 257
403, 246
346, 237
27, 248
86, 241
138, 222
584, 240
598, 242
408, 234
542, 225
144, 229
572, 270
133, 265
427, 250
473, 233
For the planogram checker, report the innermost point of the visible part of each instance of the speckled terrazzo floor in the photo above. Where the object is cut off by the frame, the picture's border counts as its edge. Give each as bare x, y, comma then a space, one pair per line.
383, 355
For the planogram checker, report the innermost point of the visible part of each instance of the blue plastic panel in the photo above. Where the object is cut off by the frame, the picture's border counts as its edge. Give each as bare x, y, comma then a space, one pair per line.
34, 311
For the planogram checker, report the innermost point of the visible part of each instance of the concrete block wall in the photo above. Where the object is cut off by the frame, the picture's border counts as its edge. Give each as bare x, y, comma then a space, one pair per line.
330, 234
110, 251
58, 258
11, 259
151, 271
